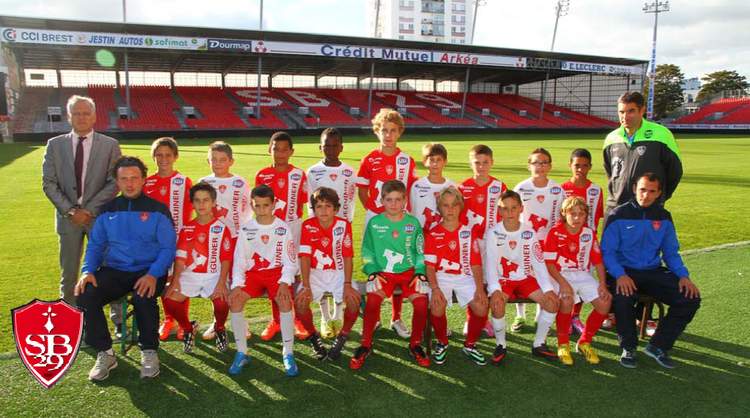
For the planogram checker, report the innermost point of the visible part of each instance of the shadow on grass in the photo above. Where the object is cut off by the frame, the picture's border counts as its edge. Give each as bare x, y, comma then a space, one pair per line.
12, 152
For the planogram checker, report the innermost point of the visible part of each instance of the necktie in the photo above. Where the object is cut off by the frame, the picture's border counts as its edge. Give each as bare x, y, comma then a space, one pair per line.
79, 166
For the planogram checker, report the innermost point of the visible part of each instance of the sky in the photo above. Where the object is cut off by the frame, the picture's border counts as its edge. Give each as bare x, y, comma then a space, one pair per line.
699, 36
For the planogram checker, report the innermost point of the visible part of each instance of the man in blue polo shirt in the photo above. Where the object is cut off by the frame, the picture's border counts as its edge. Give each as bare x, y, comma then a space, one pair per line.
640, 251
130, 249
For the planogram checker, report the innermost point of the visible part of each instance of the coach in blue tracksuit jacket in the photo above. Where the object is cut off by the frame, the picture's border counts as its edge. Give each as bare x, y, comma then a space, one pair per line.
638, 236
131, 247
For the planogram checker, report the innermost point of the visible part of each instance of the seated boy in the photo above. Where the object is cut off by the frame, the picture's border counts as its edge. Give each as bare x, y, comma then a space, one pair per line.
393, 256
202, 264
571, 248
514, 269
325, 258
265, 261
454, 266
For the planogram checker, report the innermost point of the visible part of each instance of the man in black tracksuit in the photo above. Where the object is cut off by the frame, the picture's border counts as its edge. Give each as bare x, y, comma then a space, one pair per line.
636, 147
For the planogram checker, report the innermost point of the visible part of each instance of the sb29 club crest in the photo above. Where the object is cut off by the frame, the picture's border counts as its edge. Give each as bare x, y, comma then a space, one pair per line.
47, 336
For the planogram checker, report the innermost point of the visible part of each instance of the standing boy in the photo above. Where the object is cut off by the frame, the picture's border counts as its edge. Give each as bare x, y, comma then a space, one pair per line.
232, 195
542, 198
385, 163
333, 173
289, 185
171, 188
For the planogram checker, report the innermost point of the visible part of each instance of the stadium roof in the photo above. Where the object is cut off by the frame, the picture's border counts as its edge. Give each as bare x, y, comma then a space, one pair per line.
77, 57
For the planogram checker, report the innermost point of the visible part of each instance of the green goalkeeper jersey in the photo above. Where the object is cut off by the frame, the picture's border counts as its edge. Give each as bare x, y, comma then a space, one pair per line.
393, 247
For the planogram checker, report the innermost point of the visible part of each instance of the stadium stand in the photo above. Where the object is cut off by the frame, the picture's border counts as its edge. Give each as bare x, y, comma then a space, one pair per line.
214, 109
722, 111
160, 108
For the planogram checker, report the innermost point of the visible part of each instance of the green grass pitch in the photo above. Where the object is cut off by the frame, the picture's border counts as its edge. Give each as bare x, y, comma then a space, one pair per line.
713, 355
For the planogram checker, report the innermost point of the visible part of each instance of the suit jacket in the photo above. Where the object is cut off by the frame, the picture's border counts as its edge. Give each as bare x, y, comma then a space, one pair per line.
59, 178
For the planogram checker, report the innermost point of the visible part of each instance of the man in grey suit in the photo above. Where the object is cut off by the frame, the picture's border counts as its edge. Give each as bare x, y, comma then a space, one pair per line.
76, 179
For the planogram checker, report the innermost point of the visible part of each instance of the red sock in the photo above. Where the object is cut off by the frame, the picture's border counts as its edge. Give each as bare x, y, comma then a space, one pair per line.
275, 312
440, 325
372, 310
593, 323
476, 323
563, 328
577, 308
221, 311
350, 317
306, 318
398, 303
178, 312
418, 320
167, 316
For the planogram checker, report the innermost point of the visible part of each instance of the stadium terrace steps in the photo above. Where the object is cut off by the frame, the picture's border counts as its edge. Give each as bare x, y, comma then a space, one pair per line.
736, 110
160, 108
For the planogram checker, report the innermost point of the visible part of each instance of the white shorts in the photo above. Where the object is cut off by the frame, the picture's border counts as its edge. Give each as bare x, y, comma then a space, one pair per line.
368, 215
585, 286
326, 281
462, 287
198, 284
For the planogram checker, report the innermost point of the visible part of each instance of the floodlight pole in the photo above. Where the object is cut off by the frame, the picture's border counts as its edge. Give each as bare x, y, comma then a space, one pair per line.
655, 7
477, 3
377, 18
127, 73
260, 64
561, 9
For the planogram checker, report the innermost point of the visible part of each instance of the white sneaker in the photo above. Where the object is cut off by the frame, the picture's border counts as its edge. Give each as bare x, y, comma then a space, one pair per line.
209, 334
400, 329
104, 363
149, 364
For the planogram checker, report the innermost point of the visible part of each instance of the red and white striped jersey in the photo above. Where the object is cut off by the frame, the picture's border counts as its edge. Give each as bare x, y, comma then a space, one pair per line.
541, 205
572, 252
341, 179
376, 168
452, 253
326, 247
232, 200
481, 203
289, 189
264, 248
423, 198
174, 192
593, 196
203, 247
514, 255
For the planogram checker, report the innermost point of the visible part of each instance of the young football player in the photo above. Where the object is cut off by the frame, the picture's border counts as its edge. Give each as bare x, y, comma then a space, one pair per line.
542, 198
232, 196
454, 266
580, 185
424, 192
265, 261
171, 188
392, 256
333, 173
289, 185
481, 195
387, 162
325, 258
204, 256
570, 249
514, 268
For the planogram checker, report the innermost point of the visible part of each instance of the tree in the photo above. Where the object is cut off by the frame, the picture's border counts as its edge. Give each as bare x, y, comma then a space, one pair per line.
668, 89
716, 82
